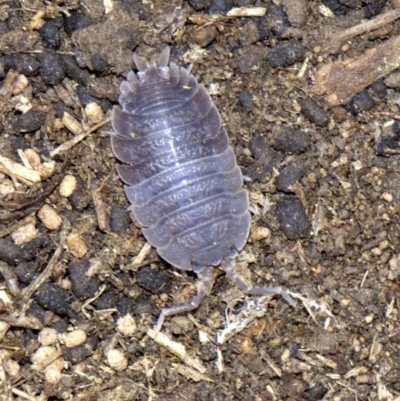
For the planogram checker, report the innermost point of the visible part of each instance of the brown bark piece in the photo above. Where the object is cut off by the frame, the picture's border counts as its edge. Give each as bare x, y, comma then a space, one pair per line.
341, 80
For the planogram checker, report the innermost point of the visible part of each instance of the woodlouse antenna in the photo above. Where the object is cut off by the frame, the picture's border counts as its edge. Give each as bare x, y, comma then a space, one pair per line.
163, 60
141, 65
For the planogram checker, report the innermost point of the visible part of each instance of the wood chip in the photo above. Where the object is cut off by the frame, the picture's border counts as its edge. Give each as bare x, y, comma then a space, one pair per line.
341, 80
177, 349
18, 171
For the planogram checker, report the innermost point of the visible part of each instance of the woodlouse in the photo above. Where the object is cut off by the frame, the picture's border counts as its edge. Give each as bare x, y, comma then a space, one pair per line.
181, 174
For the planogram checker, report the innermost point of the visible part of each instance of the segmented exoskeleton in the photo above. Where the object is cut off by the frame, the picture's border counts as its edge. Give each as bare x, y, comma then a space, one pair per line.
180, 173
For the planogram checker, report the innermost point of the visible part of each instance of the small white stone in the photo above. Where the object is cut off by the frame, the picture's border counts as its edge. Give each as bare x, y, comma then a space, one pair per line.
94, 113
76, 245
387, 197
11, 367
74, 338
259, 233
67, 186
44, 356
117, 360
50, 218
126, 325
25, 234
48, 336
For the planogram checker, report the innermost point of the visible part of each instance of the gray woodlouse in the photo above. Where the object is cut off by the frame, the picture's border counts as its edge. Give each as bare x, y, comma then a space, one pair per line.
181, 174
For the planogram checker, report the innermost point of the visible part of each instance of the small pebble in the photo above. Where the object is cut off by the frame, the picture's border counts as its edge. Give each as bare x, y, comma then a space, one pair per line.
267, 159
94, 113
199, 5
369, 318
117, 360
385, 144
336, 7
76, 20
208, 352
11, 367
25, 234
67, 186
316, 392
362, 101
119, 220
73, 71
48, 336
203, 36
286, 54
74, 338
53, 372
250, 33
76, 245
220, 7
277, 20
44, 356
293, 387
290, 140
85, 98
23, 63
50, 69
99, 63
296, 11
54, 298
25, 271
259, 233
246, 100
151, 280
292, 218
19, 85
314, 112
379, 89
14, 254
374, 8
181, 325
126, 325
393, 79
81, 198
388, 197
289, 175
107, 300
50, 218
30, 121
81, 352
366, 296
37, 311
50, 34
83, 287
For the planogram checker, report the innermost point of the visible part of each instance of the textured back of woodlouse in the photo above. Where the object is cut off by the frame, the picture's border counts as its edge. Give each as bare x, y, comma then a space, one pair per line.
180, 173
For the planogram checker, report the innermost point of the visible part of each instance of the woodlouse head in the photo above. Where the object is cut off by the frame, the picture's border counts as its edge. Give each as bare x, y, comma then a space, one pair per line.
148, 70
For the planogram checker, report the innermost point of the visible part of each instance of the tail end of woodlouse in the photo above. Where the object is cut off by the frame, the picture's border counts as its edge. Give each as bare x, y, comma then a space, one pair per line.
227, 266
206, 277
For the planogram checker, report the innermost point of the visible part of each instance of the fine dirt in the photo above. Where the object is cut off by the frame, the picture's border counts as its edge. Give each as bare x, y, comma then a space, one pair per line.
79, 286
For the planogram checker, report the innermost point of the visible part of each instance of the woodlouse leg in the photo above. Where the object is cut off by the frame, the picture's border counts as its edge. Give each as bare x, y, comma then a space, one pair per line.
227, 266
205, 276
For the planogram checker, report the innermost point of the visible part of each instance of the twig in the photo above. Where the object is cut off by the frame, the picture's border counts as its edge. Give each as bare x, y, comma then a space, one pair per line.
13, 227
376, 23
76, 139
30, 290
177, 349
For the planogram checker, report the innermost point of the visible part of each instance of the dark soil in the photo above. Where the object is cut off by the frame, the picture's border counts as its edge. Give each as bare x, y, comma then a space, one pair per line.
79, 288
